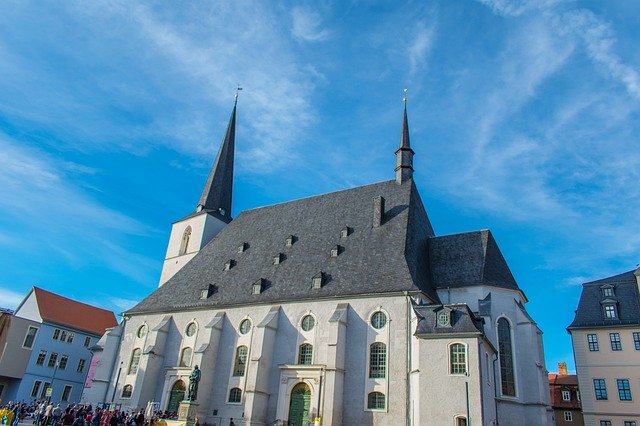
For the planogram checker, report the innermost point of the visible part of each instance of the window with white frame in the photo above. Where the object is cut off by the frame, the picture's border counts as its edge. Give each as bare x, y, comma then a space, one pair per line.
64, 359
607, 292
592, 340
135, 361
305, 356
636, 340
46, 386
457, 358
377, 360
235, 396
56, 334
616, 345
241, 361
35, 388
41, 357
29, 337
566, 395
605, 422
53, 358
568, 416
376, 401
80, 367
609, 311
629, 423
87, 341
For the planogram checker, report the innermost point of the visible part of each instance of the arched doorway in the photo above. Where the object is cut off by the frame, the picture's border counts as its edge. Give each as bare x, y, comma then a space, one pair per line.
300, 405
176, 396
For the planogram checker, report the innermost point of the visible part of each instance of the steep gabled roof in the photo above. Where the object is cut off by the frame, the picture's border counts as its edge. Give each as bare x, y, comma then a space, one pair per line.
56, 309
468, 259
590, 312
371, 260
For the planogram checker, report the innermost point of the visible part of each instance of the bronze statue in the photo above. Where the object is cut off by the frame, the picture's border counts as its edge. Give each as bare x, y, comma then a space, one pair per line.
194, 379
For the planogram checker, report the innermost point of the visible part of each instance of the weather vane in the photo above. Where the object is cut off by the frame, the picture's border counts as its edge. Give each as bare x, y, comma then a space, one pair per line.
238, 89
404, 98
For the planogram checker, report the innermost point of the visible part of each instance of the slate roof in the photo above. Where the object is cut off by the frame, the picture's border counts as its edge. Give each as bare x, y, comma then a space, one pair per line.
468, 259
56, 309
590, 312
372, 260
462, 320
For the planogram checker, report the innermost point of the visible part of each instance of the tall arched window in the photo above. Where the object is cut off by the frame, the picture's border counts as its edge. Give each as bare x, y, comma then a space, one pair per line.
127, 390
306, 354
241, 361
185, 357
135, 360
185, 241
377, 360
235, 395
376, 401
505, 347
457, 359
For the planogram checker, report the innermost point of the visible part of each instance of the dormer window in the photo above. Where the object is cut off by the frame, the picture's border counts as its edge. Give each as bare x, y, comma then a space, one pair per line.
318, 280
345, 232
291, 239
208, 291
222, 211
278, 258
444, 318
258, 286
229, 264
336, 251
243, 247
610, 311
607, 291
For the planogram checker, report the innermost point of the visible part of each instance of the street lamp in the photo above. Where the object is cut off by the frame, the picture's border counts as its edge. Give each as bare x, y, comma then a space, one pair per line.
53, 377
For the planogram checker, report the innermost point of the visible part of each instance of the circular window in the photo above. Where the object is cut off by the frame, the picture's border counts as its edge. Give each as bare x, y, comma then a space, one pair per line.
308, 322
142, 331
191, 329
245, 326
378, 320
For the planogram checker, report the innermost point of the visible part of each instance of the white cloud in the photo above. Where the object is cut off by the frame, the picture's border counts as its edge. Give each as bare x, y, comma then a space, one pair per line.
307, 25
122, 303
420, 46
9, 298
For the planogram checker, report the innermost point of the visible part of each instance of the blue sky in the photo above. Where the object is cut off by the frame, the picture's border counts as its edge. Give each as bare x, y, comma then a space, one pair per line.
524, 116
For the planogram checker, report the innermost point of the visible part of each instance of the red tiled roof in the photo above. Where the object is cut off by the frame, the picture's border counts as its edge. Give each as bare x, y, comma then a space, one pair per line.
567, 379
62, 311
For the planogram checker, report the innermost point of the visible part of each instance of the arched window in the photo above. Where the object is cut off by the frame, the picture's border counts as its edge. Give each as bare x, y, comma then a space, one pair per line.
185, 357
235, 395
127, 390
241, 361
457, 359
184, 245
505, 347
306, 354
461, 421
135, 360
377, 360
376, 401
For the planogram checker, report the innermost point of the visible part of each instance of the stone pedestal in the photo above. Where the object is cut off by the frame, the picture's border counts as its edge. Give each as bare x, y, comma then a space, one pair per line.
187, 412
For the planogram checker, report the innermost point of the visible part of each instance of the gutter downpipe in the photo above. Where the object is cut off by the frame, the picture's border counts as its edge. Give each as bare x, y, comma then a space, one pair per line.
466, 385
115, 360
495, 387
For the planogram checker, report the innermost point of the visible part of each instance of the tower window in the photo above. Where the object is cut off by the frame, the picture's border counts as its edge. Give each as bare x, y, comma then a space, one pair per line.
184, 245
305, 357
377, 360
458, 359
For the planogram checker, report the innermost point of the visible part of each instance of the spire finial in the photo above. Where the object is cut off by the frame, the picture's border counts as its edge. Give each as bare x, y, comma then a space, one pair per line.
238, 89
404, 97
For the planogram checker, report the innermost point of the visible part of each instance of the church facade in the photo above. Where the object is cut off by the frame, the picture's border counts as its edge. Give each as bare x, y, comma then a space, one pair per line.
343, 308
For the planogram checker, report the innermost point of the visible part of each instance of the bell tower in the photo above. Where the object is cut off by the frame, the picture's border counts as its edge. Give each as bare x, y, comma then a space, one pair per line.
213, 211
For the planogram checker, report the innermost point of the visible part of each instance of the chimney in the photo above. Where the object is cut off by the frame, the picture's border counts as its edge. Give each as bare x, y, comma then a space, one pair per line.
378, 211
562, 368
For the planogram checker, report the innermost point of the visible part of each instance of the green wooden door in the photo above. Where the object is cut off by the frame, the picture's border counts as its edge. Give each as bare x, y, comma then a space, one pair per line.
176, 396
299, 405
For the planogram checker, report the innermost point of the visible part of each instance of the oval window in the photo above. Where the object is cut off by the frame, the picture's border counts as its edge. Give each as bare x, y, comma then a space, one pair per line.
308, 322
142, 331
245, 326
191, 329
378, 320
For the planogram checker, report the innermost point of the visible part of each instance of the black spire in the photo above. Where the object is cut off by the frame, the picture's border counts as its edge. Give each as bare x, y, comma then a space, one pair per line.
404, 154
216, 195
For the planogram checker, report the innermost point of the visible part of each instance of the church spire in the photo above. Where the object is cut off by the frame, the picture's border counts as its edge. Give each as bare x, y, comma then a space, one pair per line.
404, 154
216, 195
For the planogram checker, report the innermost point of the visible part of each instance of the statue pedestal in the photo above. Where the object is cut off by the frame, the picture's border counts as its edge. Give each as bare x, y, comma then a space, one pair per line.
187, 412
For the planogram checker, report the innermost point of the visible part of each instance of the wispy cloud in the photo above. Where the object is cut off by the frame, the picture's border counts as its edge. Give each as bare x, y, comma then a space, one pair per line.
306, 25
9, 298
420, 46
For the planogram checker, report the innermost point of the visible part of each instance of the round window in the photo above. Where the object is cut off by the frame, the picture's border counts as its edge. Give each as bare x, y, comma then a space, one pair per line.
378, 320
191, 329
308, 322
245, 326
142, 331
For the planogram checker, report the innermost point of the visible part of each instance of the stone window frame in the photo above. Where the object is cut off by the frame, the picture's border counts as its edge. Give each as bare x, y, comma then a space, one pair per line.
452, 364
373, 401
460, 420
511, 369
183, 362
184, 241
375, 323
194, 331
241, 358
306, 317
236, 393
245, 321
127, 391
305, 354
142, 331
378, 360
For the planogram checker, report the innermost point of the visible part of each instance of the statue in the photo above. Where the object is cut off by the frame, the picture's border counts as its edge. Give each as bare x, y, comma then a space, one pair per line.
194, 378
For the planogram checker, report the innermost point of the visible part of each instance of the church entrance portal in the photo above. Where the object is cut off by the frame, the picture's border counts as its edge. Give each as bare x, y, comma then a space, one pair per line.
299, 405
176, 396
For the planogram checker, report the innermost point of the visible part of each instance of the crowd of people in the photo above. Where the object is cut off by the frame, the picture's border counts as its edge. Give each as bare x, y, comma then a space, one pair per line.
43, 413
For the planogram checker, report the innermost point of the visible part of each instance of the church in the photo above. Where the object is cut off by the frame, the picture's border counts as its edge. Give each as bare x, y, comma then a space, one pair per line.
342, 308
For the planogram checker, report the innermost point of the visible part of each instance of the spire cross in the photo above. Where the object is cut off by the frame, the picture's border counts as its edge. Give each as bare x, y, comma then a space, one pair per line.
238, 89
404, 98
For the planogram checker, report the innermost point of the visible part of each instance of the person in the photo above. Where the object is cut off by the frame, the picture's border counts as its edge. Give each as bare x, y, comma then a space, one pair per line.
55, 415
68, 418
231, 423
139, 419
48, 413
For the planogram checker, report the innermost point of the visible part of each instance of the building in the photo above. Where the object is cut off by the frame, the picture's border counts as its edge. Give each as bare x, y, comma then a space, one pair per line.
344, 307
606, 344
565, 397
45, 344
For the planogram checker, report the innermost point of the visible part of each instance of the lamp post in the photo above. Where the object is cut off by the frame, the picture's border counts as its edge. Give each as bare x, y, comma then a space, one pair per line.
53, 377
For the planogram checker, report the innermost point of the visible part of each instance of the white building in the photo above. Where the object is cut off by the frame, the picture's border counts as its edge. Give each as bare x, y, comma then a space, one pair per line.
344, 306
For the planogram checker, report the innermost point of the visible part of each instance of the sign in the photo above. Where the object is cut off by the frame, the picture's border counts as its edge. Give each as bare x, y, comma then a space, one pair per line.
48, 392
